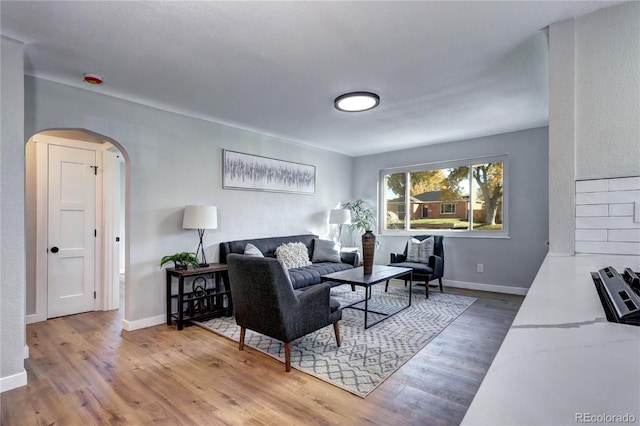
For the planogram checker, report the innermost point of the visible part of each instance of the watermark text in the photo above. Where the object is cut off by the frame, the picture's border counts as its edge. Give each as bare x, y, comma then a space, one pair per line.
605, 418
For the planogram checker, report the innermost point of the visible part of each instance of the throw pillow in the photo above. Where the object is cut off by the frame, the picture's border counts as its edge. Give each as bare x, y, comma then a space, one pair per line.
293, 255
251, 250
419, 251
325, 251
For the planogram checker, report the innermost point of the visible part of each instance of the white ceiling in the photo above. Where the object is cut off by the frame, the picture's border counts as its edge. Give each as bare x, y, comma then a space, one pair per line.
444, 70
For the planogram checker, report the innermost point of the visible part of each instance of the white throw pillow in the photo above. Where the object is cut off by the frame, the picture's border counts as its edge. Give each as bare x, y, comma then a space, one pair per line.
419, 251
251, 250
293, 255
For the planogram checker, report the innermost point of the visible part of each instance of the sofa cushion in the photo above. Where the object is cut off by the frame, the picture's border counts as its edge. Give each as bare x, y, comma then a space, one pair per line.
417, 267
310, 275
325, 251
294, 255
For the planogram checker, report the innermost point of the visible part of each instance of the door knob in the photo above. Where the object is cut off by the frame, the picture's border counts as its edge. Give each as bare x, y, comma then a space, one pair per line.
54, 249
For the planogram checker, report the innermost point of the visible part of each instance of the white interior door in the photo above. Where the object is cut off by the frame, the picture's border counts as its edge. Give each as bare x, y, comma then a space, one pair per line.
72, 227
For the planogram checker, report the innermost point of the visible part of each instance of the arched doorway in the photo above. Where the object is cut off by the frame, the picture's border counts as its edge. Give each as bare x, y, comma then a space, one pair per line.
99, 272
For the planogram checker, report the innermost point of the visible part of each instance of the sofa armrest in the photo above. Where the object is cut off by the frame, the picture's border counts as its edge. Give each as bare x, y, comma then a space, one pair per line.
398, 258
350, 257
314, 307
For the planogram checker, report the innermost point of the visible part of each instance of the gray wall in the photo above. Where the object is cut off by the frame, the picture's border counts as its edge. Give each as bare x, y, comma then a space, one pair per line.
12, 243
594, 108
511, 262
175, 161
148, 135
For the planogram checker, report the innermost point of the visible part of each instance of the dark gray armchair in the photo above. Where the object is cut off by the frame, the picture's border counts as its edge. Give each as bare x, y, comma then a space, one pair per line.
264, 301
431, 270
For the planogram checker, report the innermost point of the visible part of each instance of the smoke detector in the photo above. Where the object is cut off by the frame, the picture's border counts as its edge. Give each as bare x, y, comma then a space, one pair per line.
94, 79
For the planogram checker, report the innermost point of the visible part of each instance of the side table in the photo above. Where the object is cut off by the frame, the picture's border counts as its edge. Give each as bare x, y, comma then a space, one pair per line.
207, 298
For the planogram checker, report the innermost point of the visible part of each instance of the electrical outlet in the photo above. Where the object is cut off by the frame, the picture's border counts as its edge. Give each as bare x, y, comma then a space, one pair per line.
480, 267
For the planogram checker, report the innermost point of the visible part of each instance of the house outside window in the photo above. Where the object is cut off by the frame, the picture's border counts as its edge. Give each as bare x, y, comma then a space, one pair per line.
465, 196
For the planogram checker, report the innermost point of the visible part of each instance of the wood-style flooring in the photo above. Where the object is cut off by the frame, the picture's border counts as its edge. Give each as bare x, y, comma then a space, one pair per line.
83, 369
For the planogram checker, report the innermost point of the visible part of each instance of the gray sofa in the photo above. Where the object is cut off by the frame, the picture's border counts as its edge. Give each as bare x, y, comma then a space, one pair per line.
302, 278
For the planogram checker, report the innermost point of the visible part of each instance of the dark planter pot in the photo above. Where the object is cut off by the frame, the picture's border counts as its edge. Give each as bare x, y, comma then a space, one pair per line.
368, 251
181, 267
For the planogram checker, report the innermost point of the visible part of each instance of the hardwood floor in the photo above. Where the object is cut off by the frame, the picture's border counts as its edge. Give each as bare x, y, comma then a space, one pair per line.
84, 369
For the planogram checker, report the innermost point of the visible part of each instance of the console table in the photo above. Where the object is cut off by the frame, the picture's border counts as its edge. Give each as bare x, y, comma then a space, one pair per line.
207, 298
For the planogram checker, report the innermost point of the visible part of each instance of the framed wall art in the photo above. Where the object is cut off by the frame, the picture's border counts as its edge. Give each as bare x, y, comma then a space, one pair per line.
257, 173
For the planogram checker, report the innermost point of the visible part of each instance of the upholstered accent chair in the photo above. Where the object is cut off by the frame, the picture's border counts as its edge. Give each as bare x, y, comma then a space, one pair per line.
264, 301
429, 270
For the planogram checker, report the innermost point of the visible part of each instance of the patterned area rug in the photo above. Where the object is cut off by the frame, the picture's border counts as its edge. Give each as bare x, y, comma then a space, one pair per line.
366, 357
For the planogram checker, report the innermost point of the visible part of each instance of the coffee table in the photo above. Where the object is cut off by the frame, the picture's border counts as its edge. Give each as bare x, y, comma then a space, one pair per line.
356, 277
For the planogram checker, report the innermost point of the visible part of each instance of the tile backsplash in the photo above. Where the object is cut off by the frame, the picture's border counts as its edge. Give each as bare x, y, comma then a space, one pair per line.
608, 216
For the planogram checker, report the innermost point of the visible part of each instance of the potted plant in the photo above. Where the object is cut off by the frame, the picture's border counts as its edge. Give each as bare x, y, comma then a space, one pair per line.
181, 260
363, 219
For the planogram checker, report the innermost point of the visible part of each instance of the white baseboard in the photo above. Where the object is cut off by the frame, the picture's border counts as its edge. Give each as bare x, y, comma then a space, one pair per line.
143, 323
30, 319
12, 382
486, 287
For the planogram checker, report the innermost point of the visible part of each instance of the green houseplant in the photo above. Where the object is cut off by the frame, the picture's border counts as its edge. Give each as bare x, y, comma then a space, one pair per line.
363, 219
181, 260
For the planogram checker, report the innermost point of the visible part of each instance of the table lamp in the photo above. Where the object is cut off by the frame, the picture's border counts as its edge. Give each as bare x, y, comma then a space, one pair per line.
340, 217
200, 218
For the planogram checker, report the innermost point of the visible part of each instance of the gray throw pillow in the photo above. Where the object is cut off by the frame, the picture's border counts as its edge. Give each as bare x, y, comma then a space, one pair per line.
419, 251
251, 250
325, 251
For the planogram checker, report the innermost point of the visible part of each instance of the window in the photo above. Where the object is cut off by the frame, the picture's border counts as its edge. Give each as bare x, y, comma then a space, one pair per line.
447, 208
465, 196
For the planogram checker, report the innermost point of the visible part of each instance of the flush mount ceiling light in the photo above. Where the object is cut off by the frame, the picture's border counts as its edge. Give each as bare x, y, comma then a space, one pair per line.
96, 80
356, 101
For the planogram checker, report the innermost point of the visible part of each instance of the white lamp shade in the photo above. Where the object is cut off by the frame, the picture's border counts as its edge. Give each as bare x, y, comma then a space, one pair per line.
340, 216
200, 217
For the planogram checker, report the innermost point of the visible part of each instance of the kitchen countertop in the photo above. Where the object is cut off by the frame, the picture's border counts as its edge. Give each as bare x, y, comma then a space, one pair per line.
562, 362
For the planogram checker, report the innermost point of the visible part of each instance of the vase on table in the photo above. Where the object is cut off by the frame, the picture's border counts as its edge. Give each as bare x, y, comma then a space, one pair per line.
368, 251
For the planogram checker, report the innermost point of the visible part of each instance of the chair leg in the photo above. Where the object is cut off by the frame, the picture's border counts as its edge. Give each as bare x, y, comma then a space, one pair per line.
386, 287
426, 288
336, 330
287, 356
440, 281
242, 332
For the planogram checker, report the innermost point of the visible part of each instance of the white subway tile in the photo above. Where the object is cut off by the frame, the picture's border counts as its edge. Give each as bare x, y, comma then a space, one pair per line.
583, 198
591, 235
621, 209
628, 235
608, 216
608, 248
592, 185
624, 184
617, 222
592, 210
607, 197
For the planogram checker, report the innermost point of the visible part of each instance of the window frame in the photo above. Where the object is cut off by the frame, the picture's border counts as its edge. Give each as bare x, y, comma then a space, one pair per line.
470, 162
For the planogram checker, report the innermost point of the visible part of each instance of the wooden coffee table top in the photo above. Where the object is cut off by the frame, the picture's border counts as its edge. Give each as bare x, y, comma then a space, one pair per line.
356, 276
